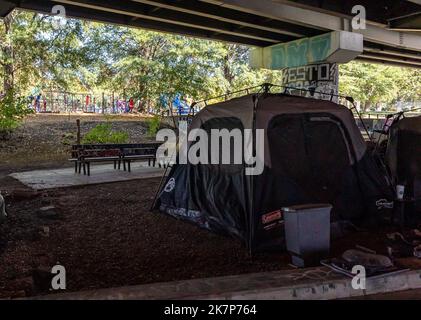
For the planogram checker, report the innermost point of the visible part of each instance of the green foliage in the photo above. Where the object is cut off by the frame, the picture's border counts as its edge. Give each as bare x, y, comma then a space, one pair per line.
154, 64
87, 56
153, 126
372, 84
43, 56
103, 133
12, 110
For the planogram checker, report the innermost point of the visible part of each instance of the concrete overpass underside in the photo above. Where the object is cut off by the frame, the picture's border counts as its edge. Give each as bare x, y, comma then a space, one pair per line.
392, 34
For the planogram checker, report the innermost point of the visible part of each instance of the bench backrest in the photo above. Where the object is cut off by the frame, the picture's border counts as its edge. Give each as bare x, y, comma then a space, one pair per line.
100, 153
138, 151
107, 150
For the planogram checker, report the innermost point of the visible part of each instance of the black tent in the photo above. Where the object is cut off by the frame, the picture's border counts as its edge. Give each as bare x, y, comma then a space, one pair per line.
403, 156
314, 153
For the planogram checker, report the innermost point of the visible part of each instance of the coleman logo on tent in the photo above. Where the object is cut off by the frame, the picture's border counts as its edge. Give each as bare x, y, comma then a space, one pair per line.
272, 216
170, 185
384, 204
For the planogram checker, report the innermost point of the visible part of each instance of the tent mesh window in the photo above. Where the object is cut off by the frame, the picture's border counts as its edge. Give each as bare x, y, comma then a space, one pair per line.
311, 150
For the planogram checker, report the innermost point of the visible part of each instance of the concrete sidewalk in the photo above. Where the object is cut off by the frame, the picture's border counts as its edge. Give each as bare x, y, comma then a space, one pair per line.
62, 178
306, 284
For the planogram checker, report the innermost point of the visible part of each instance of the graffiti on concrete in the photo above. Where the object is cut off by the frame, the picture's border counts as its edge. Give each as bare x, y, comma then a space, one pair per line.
319, 80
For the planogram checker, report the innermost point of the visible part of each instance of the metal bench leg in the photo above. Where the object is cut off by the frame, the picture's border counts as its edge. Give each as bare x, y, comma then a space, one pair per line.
84, 168
124, 165
115, 165
149, 162
75, 166
129, 167
80, 167
89, 168
154, 162
119, 164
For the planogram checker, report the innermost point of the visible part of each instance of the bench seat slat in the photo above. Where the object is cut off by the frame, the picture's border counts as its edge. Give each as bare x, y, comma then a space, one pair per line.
100, 159
141, 156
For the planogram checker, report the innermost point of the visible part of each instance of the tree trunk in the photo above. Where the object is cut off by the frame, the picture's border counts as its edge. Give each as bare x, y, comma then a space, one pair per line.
227, 70
7, 49
367, 106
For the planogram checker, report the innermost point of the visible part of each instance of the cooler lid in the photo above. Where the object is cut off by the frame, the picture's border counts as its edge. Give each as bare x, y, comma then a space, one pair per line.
309, 206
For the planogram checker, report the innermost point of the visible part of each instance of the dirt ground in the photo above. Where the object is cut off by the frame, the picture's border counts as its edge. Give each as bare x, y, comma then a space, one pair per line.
105, 236
43, 140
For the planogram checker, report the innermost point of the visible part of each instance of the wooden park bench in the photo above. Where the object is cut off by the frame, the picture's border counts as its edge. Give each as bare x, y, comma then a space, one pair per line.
130, 155
84, 155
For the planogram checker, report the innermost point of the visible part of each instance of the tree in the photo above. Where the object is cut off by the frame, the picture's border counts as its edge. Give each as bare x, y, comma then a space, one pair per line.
6, 54
12, 110
33, 50
408, 82
151, 66
369, 84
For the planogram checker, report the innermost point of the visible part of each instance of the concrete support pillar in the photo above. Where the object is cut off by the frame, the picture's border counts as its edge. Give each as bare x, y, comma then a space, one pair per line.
311, 63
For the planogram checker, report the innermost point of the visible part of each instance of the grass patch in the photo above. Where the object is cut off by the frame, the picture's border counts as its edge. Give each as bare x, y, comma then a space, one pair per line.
103, 133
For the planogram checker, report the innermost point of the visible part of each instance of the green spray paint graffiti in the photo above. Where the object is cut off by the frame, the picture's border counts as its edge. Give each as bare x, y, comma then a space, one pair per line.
332, 47
301, 52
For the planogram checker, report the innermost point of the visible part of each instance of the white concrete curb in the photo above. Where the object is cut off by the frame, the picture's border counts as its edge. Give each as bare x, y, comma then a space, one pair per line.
278, 285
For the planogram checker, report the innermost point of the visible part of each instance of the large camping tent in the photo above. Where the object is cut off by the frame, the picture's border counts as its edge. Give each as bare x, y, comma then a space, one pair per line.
314, 153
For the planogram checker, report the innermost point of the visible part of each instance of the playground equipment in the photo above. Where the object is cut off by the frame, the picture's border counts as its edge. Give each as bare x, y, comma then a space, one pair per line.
51, 101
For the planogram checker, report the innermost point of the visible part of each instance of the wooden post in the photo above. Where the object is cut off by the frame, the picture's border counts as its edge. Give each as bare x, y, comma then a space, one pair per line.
113, 107
52, 100
125, 100
78, 131
103, 103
